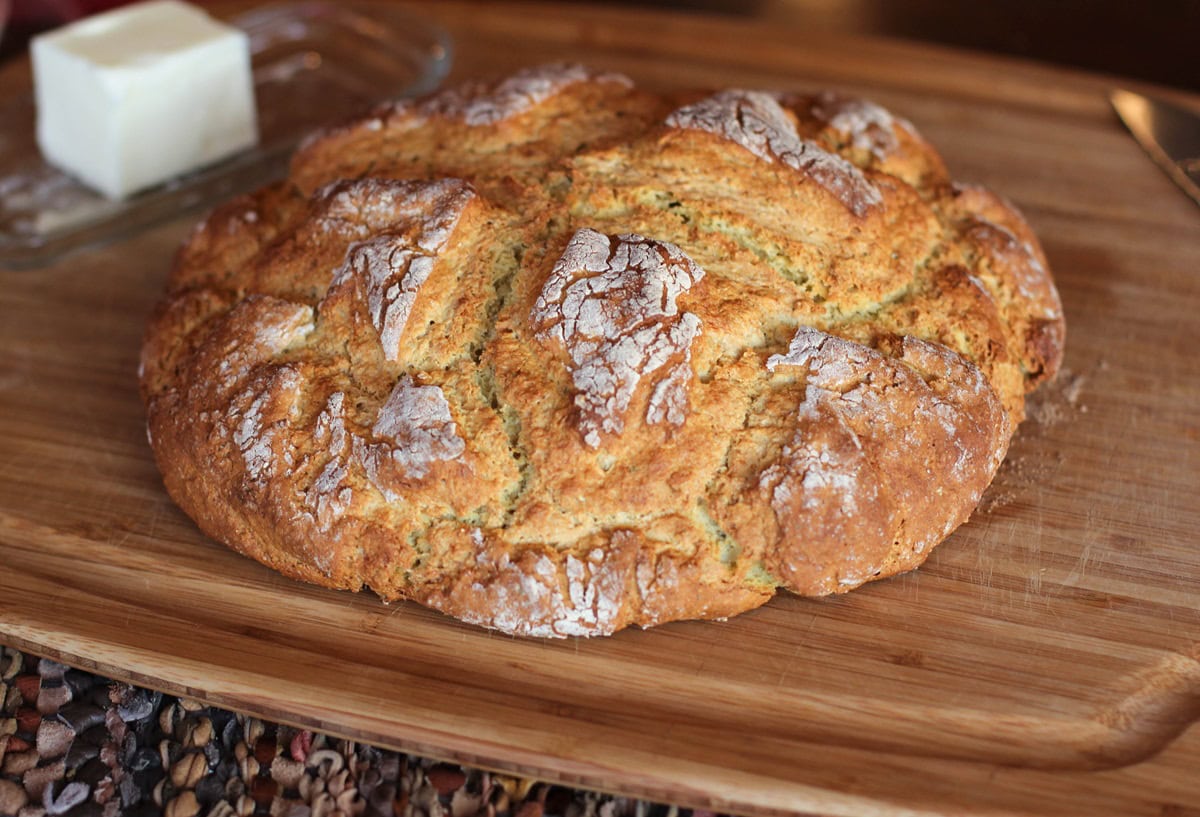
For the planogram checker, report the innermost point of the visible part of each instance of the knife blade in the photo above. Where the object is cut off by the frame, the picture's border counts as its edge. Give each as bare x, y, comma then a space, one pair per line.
1169, 132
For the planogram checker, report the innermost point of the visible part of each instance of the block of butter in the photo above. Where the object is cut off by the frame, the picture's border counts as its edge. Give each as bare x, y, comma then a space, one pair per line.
139, 95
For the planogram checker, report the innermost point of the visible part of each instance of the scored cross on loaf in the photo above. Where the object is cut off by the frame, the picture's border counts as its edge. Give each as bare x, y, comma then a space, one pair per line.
557, 355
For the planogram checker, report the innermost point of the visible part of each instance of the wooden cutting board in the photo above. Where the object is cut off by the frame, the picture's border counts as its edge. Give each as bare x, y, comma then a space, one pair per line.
1046, 660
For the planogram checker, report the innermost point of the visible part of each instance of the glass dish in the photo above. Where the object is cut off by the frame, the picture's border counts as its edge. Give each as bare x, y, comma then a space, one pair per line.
314, 62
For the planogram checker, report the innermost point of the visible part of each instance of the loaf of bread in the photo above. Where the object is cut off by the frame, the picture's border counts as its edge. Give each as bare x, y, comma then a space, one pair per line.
556, 355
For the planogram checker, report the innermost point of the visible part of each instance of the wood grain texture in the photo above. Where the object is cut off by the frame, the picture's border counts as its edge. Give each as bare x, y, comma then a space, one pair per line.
1045, 661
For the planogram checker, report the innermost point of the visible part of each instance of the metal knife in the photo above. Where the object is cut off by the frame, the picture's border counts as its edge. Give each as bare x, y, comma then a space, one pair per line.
1169, 132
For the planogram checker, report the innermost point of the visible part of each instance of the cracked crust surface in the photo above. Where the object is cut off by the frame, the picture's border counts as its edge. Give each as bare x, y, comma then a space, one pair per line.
557, 356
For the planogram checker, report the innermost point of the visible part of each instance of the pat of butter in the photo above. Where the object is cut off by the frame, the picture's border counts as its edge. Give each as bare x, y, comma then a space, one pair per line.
139, 95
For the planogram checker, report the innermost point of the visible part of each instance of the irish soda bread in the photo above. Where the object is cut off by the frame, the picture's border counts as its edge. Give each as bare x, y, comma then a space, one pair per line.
556, 355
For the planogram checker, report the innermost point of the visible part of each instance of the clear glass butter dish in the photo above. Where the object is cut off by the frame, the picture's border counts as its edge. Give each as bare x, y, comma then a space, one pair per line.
314, 63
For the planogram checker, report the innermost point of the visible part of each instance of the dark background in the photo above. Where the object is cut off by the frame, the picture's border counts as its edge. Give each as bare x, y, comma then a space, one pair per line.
1152, 40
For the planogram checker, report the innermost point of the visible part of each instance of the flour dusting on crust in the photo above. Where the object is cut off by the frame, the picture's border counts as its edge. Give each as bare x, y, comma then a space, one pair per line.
865, 420
611, 302
361, 207
860, 382
756, 121
258, 423
545, 595
481, 104
1020, 261
330, 494
414, 430
274, 324
388, 269
869, 126
254, 440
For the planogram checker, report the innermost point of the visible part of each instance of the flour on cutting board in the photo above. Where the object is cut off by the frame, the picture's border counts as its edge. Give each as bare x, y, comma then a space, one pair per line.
1056, 402
1059, 399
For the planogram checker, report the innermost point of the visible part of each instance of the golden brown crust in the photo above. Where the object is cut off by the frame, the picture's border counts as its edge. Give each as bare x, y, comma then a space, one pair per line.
558, 356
